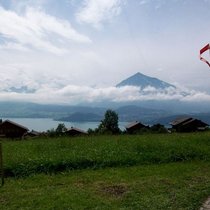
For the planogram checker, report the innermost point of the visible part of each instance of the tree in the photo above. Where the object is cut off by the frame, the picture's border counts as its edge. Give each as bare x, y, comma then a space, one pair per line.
110, 123
61, 128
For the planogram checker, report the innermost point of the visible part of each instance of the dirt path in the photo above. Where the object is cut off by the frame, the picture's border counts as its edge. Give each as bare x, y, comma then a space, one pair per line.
206, 205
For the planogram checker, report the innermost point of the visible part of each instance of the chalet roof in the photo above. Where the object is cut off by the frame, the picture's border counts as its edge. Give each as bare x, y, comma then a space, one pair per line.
180, 120
132, 124
195, 120
76, 129
33, 132
186, 120
14, 123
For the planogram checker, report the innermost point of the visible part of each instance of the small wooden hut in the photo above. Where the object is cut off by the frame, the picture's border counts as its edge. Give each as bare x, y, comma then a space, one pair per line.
11, 129
134, 127
75, 131
188, 124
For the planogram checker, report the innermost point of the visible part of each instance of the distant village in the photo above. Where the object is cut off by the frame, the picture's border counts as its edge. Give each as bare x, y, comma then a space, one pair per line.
13, 130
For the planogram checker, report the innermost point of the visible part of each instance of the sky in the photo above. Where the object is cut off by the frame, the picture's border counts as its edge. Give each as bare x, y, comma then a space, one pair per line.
73, 51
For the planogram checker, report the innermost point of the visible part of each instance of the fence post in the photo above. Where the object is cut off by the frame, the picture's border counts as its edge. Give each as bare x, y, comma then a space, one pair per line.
1, 166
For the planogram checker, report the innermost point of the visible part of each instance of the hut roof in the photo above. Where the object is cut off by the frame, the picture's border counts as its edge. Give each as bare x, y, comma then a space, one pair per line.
35, 133
195, 120
132, 124
15, 124
180, 120
186, 121
76, 129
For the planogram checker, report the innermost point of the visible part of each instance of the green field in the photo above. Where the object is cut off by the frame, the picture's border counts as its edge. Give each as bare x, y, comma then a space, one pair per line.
151, 171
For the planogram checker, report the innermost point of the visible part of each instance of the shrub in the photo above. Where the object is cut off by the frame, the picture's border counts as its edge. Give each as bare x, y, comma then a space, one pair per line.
158, 128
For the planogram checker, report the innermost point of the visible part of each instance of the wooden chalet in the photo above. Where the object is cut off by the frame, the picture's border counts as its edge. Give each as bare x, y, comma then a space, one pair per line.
134, 127
32, 133
75, 131
11, 129
188, 124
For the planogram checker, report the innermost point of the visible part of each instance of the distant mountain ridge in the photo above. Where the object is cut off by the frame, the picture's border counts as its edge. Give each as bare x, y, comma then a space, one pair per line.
82, 117
148, 113
141, 80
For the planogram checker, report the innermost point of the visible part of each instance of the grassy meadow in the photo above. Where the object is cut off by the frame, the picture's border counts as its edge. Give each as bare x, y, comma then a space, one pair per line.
150, 171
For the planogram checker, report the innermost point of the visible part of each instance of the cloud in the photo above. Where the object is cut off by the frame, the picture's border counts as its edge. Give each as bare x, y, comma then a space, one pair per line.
37, 30
21, 6
47, 93
96, 12
141, 42
142, 2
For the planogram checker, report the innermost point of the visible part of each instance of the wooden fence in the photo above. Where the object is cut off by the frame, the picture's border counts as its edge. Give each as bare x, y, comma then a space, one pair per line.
1, 166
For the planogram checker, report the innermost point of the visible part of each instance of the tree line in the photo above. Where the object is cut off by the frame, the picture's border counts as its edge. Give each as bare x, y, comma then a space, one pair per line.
109, 125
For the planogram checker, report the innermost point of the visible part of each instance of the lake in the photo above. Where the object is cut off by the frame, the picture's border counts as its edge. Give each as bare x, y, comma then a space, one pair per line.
44, 124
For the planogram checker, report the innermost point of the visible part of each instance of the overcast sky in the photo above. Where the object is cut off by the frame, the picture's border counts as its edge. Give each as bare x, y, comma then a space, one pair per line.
77, 50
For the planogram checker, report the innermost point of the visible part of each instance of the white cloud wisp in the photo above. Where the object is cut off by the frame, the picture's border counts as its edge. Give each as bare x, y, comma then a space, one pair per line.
95, 12
38, 30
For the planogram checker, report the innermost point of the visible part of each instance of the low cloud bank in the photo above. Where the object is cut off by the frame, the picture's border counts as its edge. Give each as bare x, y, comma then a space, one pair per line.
72, 94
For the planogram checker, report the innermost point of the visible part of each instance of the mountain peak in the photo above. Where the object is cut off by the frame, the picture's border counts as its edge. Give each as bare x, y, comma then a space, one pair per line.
138, 74
141, 80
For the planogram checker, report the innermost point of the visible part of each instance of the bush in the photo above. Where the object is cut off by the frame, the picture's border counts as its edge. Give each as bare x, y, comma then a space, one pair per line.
59, 131
158, 128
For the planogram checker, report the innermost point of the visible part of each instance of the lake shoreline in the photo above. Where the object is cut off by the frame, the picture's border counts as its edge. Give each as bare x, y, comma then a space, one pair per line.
44, 124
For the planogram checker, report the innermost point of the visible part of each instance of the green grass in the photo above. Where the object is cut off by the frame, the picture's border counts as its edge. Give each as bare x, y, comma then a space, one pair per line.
51, 155
159, 171
175, 186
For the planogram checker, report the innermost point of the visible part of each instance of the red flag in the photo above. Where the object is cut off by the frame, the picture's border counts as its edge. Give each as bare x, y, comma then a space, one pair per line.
204, 49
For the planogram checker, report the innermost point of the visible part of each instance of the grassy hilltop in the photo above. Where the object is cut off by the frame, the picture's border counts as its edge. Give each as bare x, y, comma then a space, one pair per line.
151, 171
